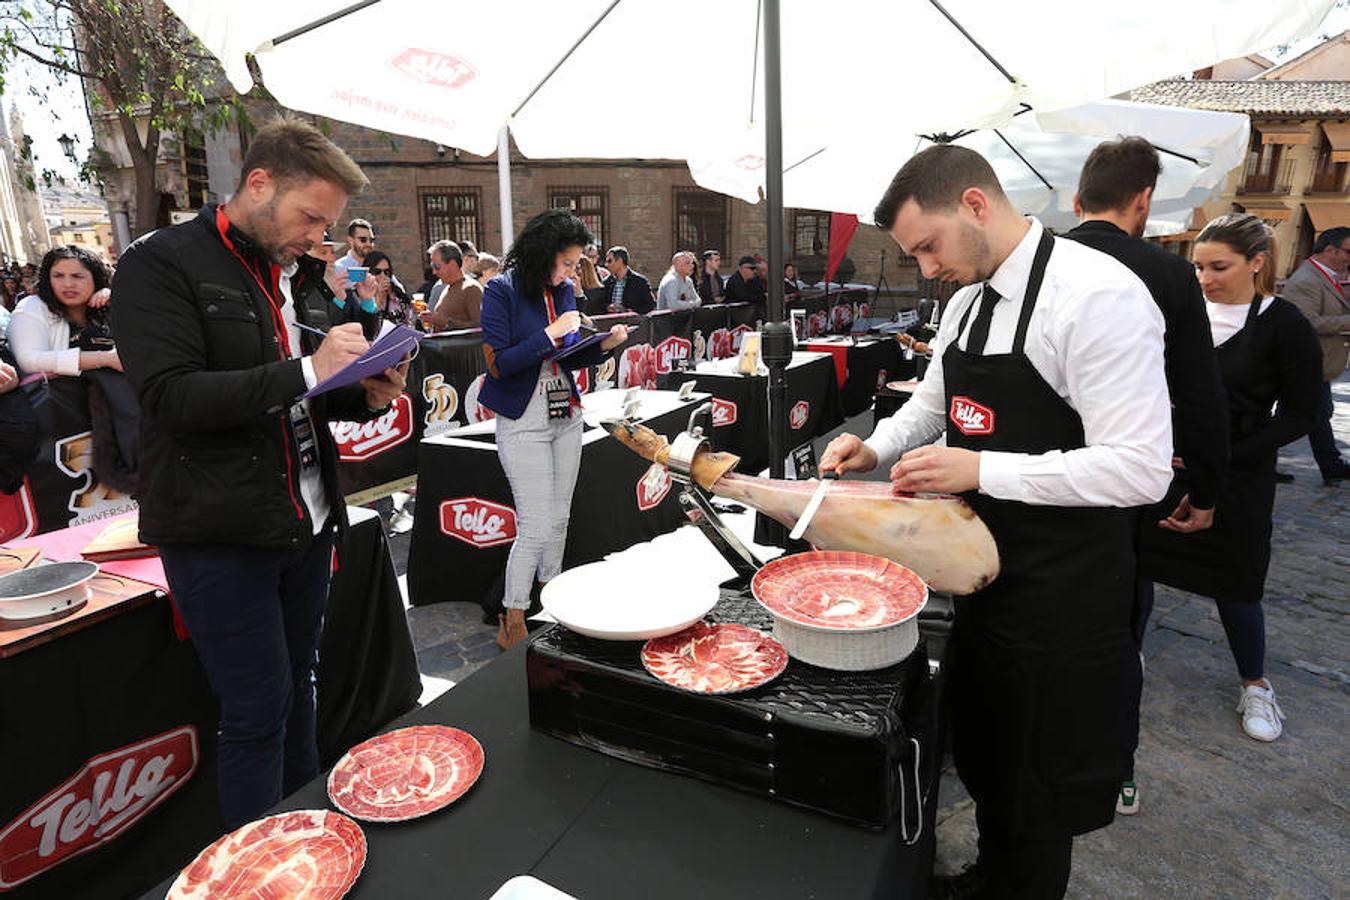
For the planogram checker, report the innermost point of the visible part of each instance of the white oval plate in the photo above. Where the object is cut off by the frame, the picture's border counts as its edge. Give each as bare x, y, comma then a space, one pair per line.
617, 602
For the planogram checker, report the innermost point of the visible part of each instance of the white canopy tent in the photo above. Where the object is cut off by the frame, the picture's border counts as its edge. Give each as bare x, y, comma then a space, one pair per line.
863, 80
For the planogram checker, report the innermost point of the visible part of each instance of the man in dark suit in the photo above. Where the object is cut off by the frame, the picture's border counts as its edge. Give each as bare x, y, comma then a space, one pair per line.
626, 289
745, 285
240, 489
1315, 288
1115, 191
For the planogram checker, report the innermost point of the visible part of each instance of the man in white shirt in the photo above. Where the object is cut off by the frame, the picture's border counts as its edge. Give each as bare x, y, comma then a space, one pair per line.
360, 241
1055, 408
677, 289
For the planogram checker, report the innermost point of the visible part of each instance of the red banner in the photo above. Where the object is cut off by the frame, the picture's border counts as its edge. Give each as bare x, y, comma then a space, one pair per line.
842, 226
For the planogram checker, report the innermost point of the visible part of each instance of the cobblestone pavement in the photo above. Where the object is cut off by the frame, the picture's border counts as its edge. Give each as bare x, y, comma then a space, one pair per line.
1220, 814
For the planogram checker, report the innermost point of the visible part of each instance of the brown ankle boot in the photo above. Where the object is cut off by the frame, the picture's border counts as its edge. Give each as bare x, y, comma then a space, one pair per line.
511, 628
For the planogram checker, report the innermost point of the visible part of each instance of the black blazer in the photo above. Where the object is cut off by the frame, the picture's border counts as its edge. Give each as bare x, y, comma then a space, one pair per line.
195, 334
1199, 402
637, 293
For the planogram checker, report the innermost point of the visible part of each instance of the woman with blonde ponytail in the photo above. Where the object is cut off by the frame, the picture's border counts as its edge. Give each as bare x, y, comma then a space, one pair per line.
1269, 358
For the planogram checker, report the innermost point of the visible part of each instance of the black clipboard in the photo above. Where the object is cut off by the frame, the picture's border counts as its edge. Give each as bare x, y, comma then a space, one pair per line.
583, 344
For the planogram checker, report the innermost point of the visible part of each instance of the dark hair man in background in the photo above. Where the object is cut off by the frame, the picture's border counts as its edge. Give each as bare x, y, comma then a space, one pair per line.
625, 288
240, 491
1115, 192
360, 241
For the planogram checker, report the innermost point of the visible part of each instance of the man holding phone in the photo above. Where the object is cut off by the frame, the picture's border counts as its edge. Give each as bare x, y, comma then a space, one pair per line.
360, 241
240, 491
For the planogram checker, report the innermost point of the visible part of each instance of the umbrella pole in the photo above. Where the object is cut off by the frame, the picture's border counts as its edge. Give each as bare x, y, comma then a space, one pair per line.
777, 335
504, 187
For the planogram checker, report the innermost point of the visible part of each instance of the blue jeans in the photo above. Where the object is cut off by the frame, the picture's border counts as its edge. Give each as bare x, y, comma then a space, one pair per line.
255, 615
1320, 438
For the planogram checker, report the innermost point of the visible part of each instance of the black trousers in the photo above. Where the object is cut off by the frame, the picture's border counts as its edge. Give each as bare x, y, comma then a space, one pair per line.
1020, 867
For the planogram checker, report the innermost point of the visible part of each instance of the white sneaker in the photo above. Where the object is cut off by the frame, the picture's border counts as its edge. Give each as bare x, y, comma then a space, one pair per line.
1261, 714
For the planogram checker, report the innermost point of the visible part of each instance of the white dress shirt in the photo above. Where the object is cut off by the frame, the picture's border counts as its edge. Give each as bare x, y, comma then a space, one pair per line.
311, 480
1227, 319
1096, 337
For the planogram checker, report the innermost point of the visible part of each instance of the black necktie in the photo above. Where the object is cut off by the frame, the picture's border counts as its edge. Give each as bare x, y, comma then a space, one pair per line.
979, 332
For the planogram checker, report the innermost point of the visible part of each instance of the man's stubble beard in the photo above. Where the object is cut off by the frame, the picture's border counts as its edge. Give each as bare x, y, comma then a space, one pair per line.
974, 248
267, 235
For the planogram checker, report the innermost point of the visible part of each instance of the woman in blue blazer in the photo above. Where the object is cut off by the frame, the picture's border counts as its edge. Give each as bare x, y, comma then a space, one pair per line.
529, 315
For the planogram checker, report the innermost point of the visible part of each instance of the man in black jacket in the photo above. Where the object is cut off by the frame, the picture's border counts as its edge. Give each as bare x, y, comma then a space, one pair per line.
1115, 191
745, 285
626, 289
240, 488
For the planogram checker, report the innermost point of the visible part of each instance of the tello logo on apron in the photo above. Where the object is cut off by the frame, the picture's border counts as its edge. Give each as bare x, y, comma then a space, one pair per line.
799, 414
971, 417
723, 412
652, 487
477, 522
108, 795
359, 442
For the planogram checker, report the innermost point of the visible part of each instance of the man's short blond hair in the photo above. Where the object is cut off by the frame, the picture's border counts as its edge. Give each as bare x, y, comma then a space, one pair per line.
292, 150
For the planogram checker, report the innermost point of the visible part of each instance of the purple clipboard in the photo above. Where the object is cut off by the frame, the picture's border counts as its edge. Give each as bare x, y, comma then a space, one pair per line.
581, 345
386, 352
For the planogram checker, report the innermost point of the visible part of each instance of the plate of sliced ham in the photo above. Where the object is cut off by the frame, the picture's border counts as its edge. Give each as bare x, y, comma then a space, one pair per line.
839, 590
406, 773
715, 659
312, 853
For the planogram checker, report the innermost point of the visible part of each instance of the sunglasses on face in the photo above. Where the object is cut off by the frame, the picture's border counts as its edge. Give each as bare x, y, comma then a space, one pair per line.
382, 271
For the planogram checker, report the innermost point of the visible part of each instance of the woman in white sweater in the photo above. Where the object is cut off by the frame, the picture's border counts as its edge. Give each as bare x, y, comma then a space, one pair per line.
62, 329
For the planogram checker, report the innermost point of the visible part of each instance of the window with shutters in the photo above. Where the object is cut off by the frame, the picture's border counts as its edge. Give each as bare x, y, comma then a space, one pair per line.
452, 214
589, 204
701, 221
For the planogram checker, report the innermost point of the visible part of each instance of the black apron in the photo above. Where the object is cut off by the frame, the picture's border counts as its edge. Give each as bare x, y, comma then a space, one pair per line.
1229, 560
1045, 673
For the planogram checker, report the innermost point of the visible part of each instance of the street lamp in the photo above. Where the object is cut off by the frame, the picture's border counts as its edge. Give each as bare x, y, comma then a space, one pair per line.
67, 146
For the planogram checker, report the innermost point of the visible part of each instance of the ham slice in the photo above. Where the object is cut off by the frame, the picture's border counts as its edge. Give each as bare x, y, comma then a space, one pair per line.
715, 659
839, 591
308, 854
405, 773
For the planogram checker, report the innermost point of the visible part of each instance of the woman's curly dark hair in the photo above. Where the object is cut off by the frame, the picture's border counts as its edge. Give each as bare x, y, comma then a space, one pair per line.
542, 238
82, 256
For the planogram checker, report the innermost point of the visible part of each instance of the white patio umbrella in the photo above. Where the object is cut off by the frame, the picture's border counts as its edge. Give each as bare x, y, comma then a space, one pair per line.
859, 71
863, 79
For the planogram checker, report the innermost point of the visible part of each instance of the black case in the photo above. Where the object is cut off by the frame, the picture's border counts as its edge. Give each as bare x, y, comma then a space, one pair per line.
848, 744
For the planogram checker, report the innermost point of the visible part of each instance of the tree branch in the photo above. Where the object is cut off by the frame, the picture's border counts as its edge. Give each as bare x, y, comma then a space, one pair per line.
54, 64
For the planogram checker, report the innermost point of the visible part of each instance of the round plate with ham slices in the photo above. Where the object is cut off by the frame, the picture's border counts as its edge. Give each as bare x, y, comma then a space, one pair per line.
715, 659
311, 853
406, 773
831, 590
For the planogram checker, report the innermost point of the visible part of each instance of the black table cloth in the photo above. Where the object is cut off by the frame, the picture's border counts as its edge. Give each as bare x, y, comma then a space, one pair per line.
598, 829
125, 688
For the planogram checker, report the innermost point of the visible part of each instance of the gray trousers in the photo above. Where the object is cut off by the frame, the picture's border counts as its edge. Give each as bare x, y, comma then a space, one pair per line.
541, 458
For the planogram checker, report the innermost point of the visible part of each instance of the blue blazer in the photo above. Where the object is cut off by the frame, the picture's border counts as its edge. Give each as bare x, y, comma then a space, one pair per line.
516, 346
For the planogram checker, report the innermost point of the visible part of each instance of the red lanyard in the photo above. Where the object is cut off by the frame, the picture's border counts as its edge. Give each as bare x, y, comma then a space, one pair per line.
1340, 290
273, 304
552, 317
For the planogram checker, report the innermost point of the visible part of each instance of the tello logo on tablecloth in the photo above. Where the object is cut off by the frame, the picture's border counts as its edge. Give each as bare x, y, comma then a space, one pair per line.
971, 417
477, 522
723, 412
108, 795
670, 350
18, 516
798, 415
442, 404
652, 487
437, 69
358, 442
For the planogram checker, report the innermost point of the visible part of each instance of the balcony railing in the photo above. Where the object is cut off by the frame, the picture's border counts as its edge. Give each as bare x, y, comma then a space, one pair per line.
1330, 181
1275, 180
